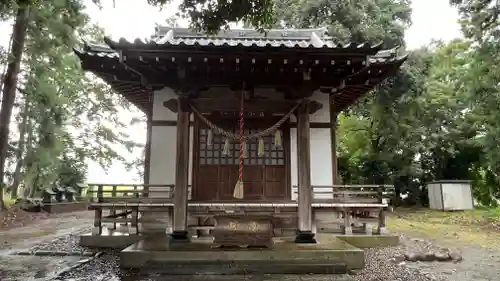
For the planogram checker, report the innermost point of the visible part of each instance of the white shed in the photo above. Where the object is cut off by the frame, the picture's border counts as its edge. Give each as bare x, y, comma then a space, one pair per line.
450, 195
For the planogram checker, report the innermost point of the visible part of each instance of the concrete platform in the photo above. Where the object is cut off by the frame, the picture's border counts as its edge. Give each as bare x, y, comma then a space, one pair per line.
114, 239
364, 241
330, 255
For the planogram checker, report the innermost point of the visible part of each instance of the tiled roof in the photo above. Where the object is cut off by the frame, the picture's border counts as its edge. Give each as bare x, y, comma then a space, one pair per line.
275, 38
89, 49
167, 38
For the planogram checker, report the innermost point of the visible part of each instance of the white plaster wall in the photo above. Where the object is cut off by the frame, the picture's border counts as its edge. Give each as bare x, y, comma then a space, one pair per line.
164, 155
164, 143
323, 114
161, 113
321, 152
321, 159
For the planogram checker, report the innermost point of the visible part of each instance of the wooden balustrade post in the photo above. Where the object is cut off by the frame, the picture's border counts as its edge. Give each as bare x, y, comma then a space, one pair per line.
97, 230
380, 194
100, 196
382, 229
305, 196
347, 222
112, 211
180, 230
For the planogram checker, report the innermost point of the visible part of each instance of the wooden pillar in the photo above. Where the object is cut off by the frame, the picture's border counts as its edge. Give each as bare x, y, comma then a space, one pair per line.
147, 152
305, 196
147, 162
333, 141
180, 232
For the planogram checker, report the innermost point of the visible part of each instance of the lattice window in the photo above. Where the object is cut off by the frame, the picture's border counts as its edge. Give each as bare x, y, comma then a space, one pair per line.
212, 155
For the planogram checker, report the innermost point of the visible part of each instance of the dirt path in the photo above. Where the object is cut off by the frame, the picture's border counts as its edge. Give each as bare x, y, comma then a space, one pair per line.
478, 243
14, 267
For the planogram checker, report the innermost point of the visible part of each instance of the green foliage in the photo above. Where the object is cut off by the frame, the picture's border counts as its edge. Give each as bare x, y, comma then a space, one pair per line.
358, 21
207, 15
479, 18
437, 119
69, 117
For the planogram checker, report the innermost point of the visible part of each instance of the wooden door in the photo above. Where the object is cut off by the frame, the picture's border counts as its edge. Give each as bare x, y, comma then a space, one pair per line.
215, 175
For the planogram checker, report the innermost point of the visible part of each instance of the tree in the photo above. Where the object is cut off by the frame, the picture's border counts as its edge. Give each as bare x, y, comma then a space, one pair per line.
207, 15
479, 19
480, 24
371, 21
9, 86
69, 116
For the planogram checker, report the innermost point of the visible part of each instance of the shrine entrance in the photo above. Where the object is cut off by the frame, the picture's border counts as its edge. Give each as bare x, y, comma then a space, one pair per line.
266, 176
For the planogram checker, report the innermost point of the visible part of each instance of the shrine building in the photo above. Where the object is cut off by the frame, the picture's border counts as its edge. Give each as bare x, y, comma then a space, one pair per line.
241, 128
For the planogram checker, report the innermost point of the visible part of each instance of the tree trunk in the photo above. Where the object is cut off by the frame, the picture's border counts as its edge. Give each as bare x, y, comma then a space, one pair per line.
9, 87
20, 151
29, 159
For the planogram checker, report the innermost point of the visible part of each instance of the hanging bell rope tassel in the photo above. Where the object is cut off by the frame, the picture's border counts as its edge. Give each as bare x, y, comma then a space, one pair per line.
225, 150
277, 139
261, 150
210, 138
238, 192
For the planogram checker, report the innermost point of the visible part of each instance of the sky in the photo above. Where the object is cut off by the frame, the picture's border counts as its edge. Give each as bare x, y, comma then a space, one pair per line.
432, 19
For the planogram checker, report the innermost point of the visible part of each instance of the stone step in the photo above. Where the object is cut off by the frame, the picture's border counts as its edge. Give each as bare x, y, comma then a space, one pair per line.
245, 267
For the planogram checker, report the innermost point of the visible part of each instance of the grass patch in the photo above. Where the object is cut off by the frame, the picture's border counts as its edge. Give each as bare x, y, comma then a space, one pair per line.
478, 227
9, 202
479, 217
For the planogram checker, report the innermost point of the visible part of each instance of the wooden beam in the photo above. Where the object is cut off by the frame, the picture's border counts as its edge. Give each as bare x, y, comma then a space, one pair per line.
180, 231
305, 234
209, 105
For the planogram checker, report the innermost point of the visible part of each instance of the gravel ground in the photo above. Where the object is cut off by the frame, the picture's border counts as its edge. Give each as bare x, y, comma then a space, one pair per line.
478, 264
381, 264
379, 268
67, 243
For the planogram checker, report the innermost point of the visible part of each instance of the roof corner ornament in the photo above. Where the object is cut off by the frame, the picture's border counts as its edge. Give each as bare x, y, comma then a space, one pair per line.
315, 40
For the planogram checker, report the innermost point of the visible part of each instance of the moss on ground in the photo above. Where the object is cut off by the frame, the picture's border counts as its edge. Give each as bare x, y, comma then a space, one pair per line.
480, 227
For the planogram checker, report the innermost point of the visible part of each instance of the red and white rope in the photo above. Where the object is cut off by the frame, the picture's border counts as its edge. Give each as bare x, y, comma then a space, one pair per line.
242, 137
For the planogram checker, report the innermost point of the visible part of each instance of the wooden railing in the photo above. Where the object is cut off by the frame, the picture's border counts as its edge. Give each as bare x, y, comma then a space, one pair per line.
164, 193
350, 193
100, 193
124, 201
